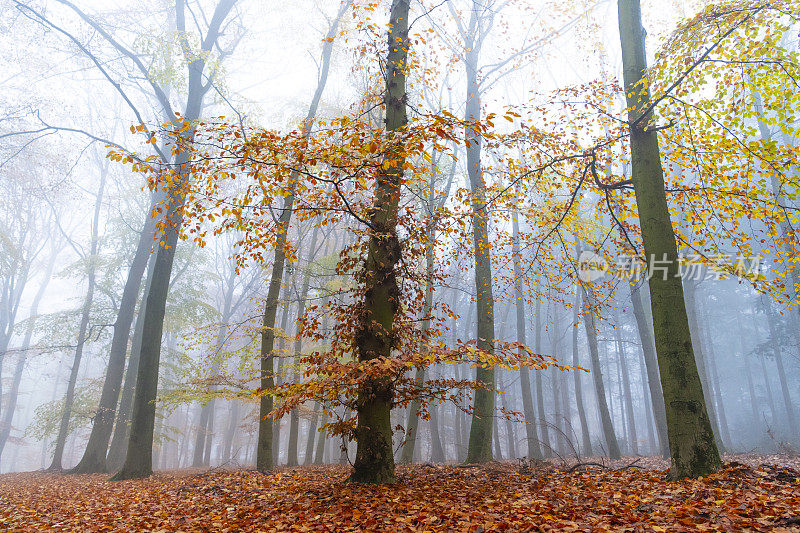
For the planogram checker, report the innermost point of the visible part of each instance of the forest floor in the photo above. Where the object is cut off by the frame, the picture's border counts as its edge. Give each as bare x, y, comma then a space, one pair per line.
751, 493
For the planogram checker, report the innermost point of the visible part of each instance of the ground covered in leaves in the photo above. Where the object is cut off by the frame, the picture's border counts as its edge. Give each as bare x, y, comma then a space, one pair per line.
762, 495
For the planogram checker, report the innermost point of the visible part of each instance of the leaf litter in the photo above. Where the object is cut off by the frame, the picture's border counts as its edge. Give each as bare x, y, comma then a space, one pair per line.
751, 493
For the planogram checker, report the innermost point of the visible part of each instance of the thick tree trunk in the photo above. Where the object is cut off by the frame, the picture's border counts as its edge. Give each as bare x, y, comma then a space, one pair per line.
119, 441
691, 439
374, 462
63, 428
139, 457
94, 457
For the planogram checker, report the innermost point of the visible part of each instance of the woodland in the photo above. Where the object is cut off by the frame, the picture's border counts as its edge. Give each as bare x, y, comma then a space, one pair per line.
395, 265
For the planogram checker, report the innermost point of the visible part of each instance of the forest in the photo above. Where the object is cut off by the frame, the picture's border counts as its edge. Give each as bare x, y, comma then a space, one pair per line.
395, 265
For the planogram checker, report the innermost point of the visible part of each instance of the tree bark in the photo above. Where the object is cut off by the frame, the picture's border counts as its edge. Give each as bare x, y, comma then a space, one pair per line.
626, 389
294, 420
479, 449
691, 439
374, 462
119, 441
94, 457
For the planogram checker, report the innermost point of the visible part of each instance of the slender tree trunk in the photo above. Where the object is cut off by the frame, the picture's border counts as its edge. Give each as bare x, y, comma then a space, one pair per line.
63, 428
119, 441
644, 328
652, 437
264, 454
230, 433
284, 328
437, 449
698, 344
597, 375
691, 439
510, 437
94, 458
294, 420
531, 434
537, 347
480, 435
318, 453
576, 375
13, 393
626, 389
778, 354
412, 426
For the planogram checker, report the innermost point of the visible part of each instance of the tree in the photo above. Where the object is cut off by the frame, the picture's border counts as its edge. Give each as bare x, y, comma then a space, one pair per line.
83, 335
139, 457
374, 461
691, 440
264, 459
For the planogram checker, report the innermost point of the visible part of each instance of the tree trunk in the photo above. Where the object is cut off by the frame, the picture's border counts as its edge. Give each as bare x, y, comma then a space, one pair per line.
644, 328
537, 347
532, 437
698, 344
777, 352
294, 421
374, 461
13, 394
479, 449
94, 457
691, 439
264, 453
119, 441
597, 375
412, 426
63, 428
626, 390
576, 375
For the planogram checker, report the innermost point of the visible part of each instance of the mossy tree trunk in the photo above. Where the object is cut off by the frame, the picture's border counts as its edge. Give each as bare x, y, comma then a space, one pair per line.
692, 448
374, 462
